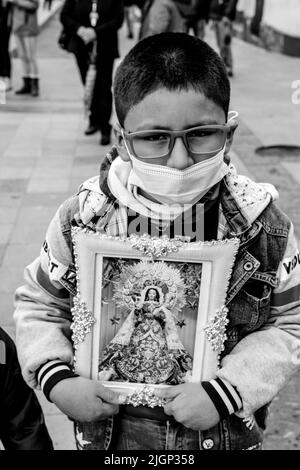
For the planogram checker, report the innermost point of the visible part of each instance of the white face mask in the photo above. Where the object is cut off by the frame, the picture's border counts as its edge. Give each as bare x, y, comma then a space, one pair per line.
171, 186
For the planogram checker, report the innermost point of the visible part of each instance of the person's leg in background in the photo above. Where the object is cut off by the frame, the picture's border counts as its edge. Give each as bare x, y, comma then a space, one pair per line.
226, 54
82, 56
22, 54
82, 60
200, 28
187, 24
101, 106
2, 49
223, 31
216, 27
225, 44
31, 49
127, 15
5, 62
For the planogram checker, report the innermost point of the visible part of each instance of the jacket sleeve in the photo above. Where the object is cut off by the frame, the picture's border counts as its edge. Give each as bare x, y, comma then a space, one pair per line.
67, 17
22, 421
42, 312
115, 22
263, 362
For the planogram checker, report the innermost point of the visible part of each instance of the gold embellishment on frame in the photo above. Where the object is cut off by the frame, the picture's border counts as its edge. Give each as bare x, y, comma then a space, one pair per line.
144, 396
216, 330
83, 320
156, 247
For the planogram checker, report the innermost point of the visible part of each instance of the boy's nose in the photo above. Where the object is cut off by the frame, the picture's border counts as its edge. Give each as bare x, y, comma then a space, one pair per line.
180, 157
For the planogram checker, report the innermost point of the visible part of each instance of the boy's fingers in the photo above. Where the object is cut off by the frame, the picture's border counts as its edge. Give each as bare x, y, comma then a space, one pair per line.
108, 395
170, 392
168, 409
109, 410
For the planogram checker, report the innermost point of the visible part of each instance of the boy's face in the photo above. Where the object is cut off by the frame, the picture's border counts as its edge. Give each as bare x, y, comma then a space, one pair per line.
176, 111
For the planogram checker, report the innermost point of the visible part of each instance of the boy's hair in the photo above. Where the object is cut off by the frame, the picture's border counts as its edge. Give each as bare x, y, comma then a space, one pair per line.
175, 61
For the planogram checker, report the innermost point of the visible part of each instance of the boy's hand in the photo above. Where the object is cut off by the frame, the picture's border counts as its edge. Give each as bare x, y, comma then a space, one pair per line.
191, 406
84, 399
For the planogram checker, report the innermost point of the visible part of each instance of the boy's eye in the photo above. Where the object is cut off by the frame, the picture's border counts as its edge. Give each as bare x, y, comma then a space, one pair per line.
155, 138
202, 133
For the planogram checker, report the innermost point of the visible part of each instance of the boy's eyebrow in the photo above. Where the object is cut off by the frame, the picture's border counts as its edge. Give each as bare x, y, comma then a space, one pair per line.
206, 122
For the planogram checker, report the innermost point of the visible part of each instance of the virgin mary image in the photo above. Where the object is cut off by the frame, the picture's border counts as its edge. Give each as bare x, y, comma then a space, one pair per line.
147, 348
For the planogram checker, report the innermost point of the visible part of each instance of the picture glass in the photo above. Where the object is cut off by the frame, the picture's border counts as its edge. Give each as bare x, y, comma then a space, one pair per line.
148, 320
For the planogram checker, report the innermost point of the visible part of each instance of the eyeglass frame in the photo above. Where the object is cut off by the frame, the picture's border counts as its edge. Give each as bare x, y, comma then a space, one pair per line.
128, 137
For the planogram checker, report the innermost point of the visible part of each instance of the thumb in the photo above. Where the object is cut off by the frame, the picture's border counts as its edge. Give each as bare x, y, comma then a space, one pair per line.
108, 395
170, 392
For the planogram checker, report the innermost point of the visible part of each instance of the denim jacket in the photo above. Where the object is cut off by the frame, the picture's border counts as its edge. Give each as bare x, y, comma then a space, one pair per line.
263, 336
262, 247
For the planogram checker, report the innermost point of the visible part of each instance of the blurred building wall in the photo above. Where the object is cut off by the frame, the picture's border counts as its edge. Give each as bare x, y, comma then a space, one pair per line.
282, 15
272, 24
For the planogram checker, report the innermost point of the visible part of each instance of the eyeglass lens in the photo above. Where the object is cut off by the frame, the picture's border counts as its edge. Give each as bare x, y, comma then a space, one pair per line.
153, 144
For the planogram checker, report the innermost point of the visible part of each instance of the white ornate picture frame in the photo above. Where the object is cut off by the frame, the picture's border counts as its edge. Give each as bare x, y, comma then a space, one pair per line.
91, 315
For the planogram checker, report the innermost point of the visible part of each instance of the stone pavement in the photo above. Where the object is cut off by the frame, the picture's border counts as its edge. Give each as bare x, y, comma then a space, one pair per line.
44, 157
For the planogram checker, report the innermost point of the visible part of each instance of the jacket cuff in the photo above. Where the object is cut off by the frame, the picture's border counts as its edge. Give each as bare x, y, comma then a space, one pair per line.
51, 373
224, 396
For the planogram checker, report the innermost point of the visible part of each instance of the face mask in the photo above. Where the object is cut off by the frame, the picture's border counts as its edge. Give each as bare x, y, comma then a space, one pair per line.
171, 186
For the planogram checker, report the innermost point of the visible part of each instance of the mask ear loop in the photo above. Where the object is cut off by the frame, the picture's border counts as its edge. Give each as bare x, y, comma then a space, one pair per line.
231, 115
126, 146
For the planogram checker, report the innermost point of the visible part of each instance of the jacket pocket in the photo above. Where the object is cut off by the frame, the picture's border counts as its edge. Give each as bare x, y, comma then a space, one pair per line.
250, 309
90, 435
244, 434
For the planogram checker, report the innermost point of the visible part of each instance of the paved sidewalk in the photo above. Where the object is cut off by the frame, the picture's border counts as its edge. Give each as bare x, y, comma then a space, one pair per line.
44, 157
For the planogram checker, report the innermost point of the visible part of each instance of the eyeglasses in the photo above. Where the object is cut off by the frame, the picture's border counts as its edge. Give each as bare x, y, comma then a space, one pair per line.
199, 141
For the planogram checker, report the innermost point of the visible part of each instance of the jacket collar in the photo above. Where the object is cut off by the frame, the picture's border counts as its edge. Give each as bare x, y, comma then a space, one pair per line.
242, 200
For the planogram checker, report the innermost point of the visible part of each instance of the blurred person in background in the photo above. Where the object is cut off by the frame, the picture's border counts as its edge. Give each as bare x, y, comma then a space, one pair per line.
25, 29
197, 17
223, 13
22, 425
75, 17
5, 30
161, 16
132, 12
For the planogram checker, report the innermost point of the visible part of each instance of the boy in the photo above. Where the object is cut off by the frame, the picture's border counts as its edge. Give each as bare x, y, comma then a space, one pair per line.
22, 425
167, 90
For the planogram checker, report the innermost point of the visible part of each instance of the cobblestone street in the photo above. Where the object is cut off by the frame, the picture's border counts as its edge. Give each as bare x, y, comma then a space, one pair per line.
44, 156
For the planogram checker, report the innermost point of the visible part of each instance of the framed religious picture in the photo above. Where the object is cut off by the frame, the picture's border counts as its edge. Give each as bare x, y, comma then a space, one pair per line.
149, 312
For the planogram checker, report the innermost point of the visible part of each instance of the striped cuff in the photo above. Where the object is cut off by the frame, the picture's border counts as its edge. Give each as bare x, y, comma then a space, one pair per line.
224, 396
51, 373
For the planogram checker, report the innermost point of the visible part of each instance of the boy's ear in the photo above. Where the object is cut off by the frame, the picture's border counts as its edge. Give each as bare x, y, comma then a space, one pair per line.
232, 128
120, 144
